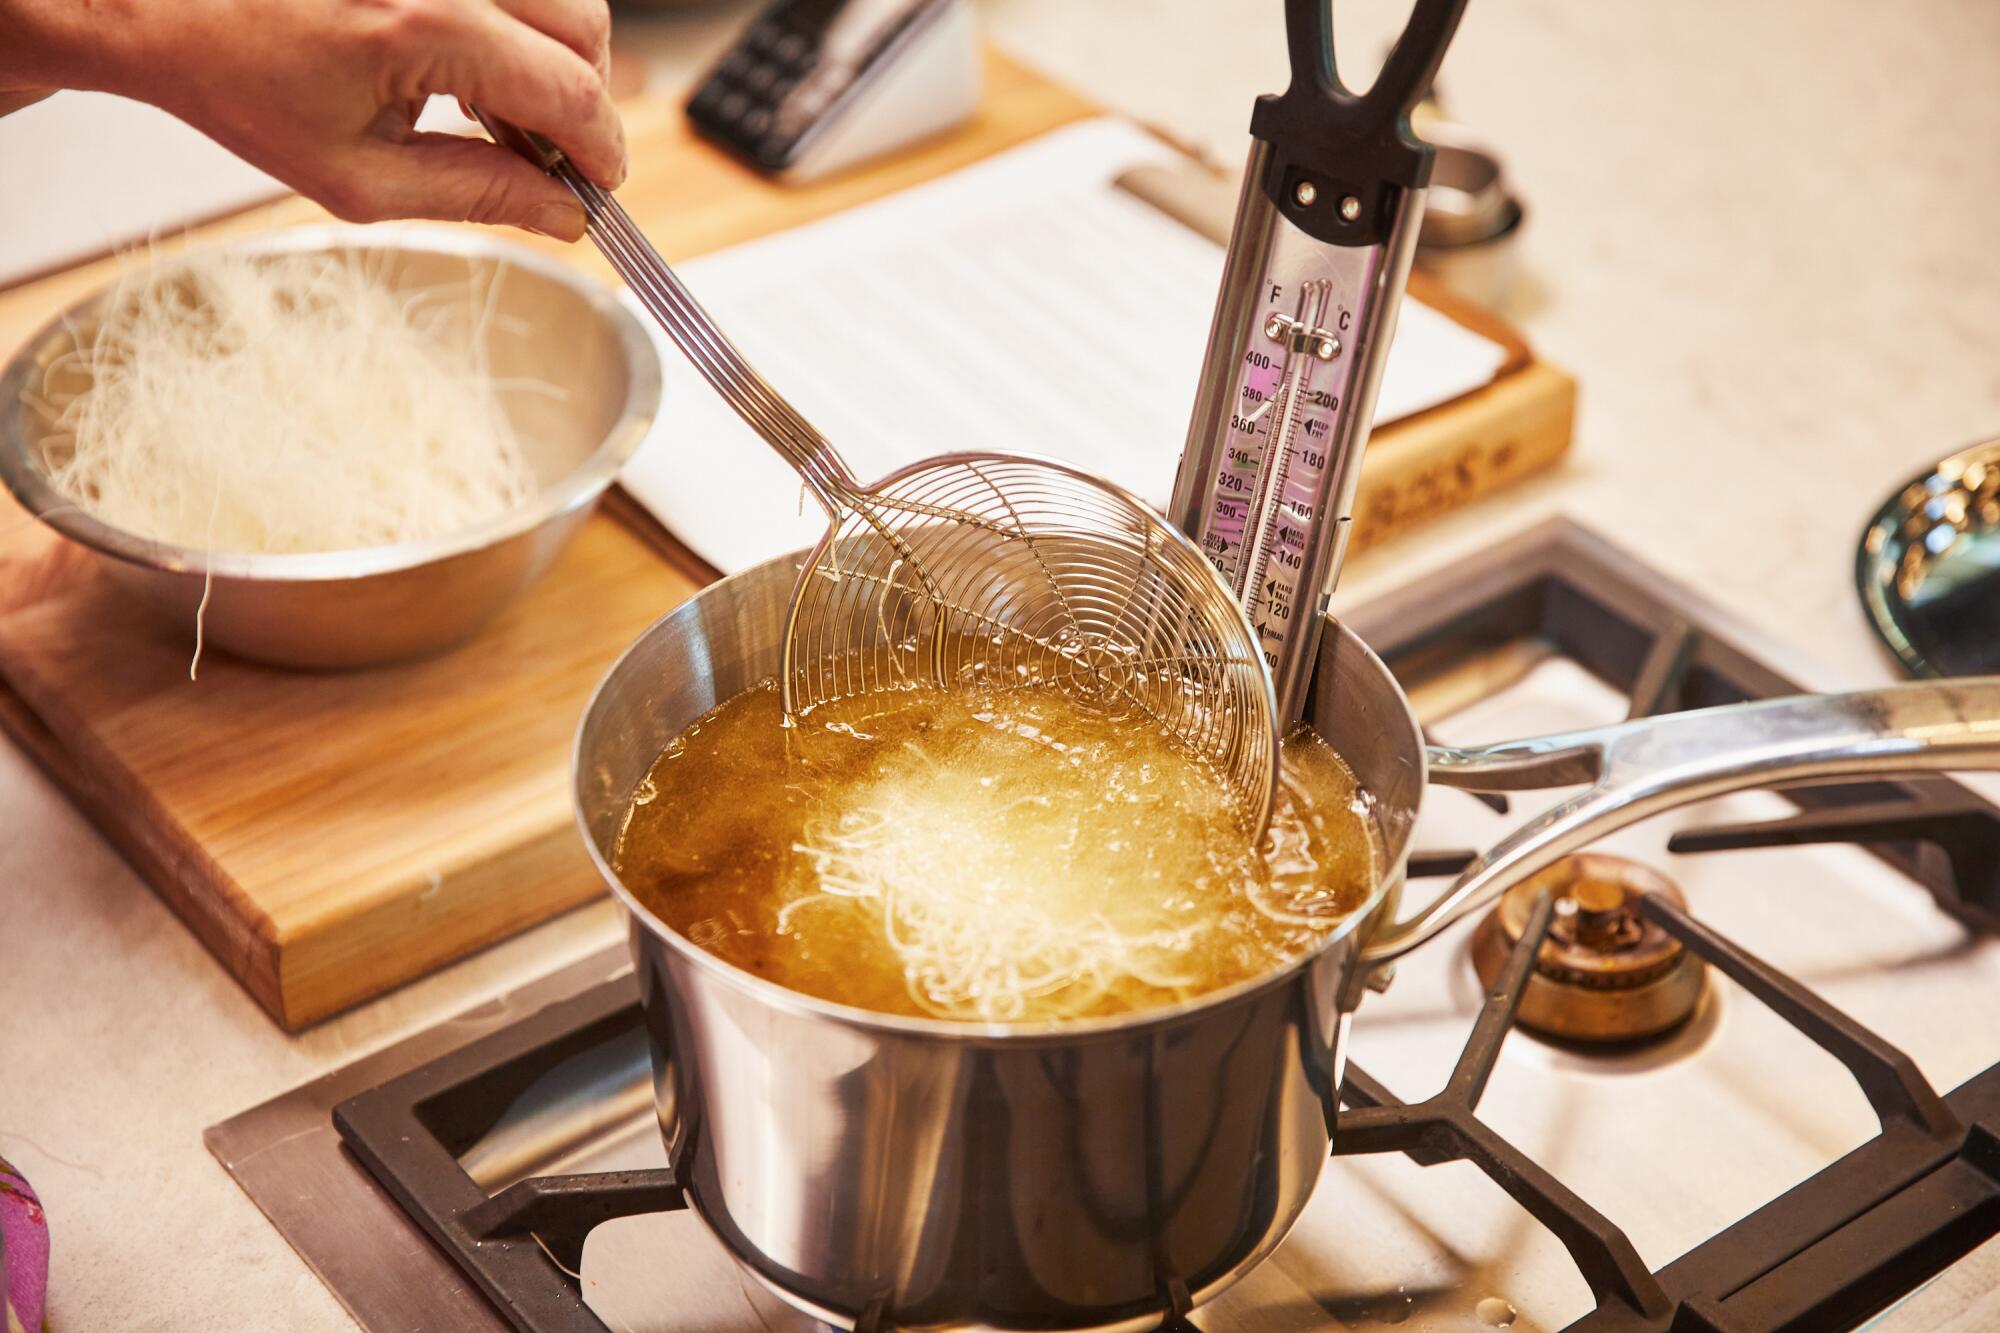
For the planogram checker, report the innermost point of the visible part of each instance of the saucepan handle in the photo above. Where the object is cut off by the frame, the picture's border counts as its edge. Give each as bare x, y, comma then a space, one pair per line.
1638, 769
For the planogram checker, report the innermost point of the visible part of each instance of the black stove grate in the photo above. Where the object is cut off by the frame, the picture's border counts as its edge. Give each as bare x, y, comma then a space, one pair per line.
1827, 1253
524, 1245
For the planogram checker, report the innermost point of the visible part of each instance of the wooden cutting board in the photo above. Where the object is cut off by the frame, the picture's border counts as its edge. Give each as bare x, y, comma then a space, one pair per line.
329, 836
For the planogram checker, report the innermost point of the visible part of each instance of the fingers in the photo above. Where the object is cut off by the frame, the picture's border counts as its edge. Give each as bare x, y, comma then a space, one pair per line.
584, 26
452, 179
541, 83
13, 99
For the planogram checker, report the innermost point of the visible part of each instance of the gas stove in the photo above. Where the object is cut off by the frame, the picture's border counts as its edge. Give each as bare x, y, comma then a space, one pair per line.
1762, 1094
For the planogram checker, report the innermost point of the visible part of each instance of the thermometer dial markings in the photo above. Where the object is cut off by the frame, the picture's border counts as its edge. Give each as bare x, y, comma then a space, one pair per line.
1276, 488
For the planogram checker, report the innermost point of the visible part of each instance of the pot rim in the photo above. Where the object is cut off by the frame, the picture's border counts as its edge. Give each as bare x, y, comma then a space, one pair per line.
765, 991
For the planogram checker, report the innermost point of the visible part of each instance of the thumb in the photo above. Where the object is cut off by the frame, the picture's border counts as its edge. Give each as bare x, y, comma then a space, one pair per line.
457, 179
13, 99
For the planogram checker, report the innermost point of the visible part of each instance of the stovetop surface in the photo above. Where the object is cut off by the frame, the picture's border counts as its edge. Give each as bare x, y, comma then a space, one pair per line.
1673, 1141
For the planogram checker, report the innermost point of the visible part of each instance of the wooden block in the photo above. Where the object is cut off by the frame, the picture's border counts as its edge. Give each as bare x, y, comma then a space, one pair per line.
331, 835
1445, 458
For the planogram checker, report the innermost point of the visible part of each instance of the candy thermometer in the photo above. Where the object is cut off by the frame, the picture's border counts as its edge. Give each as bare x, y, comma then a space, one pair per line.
1317, 259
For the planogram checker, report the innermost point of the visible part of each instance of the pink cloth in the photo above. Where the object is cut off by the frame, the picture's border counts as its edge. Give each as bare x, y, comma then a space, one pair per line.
24, 1255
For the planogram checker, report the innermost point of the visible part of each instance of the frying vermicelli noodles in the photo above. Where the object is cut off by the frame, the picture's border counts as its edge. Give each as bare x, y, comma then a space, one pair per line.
996, 856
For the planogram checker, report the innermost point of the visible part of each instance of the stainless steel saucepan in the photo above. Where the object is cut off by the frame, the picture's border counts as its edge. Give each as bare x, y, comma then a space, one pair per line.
920, 1174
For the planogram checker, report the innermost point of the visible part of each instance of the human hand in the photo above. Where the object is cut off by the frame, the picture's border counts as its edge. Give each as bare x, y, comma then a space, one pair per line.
13, 99
324, 94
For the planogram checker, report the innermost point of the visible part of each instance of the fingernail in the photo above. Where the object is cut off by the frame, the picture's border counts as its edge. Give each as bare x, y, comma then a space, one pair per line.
562, 221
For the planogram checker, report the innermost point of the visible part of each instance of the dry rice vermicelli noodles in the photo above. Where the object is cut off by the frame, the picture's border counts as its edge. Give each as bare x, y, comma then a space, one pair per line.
284, 402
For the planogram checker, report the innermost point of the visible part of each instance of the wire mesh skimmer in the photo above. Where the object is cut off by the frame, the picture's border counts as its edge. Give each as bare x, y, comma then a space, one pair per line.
977, 569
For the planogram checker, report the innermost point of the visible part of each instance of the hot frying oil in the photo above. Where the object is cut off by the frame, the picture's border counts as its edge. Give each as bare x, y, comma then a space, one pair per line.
1005, 856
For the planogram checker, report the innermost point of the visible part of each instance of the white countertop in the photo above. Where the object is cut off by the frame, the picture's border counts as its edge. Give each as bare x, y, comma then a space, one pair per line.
1762, 236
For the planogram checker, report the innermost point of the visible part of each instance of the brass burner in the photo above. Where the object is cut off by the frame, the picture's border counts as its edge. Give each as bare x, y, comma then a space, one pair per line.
1604, 973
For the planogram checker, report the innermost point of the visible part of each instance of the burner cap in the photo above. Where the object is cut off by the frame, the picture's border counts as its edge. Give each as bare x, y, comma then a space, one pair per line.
1604, 973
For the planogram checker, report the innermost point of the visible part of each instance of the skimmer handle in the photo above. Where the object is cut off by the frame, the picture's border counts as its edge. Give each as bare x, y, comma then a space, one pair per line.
691, 327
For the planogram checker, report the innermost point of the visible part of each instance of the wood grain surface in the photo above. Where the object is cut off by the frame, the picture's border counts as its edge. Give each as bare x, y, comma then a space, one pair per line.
329, 836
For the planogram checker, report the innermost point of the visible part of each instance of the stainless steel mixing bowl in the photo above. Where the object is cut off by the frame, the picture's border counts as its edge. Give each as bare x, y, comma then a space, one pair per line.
380, 604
